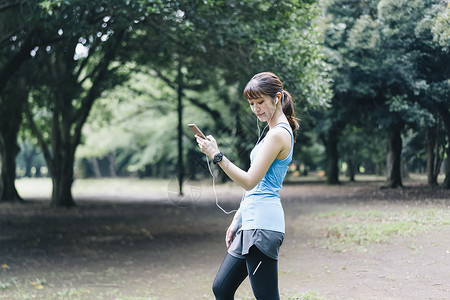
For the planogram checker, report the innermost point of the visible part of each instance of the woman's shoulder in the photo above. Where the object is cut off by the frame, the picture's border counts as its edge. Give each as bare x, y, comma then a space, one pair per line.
279, 134
281, 128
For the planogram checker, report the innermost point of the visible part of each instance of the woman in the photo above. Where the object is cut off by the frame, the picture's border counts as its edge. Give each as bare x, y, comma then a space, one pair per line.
257, 230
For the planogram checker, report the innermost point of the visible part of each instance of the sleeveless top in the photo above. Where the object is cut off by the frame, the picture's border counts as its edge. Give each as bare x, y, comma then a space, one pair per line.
261, 207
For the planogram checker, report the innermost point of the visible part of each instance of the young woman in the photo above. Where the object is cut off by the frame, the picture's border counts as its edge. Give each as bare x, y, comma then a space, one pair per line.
257, 230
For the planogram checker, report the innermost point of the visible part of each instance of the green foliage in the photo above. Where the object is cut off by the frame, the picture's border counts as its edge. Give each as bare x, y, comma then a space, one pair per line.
362, 228
414, 152
362, 148
81, 50
297, 56
411, 112
309, 151
135, 121
440, 27
387, 61
377, 55
217, 46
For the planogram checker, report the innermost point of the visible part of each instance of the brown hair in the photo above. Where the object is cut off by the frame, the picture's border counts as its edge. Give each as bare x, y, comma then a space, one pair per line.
267, 83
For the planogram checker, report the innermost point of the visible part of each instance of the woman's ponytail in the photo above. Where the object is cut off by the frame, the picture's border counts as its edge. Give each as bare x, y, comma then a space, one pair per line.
288, 109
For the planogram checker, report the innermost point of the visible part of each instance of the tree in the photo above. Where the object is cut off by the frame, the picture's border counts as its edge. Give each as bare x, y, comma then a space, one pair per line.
77, 49
217, 43
352, 96
11, 102
21, 31
379, 50
437, 31
135, 123
421, 57
73, 80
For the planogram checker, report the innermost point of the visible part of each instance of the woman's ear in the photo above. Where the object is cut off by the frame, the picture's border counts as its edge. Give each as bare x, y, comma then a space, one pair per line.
277, 97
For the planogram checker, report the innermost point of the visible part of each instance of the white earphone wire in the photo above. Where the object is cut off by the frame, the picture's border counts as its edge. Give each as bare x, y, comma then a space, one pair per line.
215, 192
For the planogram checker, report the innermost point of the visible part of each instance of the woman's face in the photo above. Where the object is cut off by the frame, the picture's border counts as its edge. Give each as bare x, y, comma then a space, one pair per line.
263, 107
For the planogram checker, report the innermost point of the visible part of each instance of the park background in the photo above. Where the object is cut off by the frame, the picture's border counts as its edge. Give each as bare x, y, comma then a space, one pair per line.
95, 98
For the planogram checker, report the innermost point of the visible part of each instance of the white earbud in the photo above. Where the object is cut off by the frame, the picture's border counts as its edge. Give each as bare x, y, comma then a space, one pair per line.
276, 102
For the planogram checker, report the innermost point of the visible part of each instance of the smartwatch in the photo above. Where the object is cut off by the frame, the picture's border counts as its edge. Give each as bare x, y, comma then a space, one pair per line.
218, 158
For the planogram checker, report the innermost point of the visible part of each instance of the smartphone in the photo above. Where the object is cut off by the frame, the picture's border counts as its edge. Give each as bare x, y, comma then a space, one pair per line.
197, 131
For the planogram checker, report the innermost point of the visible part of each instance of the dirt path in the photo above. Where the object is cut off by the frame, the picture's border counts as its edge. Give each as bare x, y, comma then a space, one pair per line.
411, 265
156, 250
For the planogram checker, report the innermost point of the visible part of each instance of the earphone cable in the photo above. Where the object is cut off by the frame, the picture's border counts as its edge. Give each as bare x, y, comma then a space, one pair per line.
214, 189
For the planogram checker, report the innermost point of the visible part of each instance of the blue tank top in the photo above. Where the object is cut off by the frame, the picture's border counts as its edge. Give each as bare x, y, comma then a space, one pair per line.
261, 207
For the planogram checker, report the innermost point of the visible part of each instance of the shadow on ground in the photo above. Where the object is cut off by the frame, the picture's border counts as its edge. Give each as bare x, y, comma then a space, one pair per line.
153, 249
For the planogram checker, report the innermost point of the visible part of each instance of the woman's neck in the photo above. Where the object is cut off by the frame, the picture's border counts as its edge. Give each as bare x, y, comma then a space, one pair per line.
277, 117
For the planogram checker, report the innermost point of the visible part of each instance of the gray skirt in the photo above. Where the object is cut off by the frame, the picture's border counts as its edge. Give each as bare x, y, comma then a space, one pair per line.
267, 241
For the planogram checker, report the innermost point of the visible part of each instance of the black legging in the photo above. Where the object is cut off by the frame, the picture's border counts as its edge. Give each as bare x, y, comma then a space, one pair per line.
263, 272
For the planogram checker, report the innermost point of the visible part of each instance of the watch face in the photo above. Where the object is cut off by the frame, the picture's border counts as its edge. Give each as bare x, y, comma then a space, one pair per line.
218, 157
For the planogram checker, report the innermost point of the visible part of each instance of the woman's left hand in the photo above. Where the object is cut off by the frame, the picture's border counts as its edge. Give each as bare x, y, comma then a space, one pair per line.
231, 233
208, 146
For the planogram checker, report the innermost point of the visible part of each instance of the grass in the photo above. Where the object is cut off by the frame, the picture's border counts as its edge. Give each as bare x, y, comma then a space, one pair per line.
134, 188
42, 187
345, 229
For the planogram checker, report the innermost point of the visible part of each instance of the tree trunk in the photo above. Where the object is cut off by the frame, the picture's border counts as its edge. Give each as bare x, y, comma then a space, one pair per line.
446, 183
62, 178
112, 164
68, 118
380, 169
393, 164
2, 153
28, 160
28, 154
431, 155
8, 152
38, 172
332, 169
445, 114
10, 121
180, 131
351, 170
96, 167
404, 170
240, 136
60, 160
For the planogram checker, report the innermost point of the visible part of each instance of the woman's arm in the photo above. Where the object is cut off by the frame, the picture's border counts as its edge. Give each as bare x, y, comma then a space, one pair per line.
276, 141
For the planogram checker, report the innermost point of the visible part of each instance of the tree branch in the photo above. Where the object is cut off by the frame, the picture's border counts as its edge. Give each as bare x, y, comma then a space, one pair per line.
37, 133
5, 40
166, 79
14, 63
86, 60
213, 113
82, 114
6, 6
